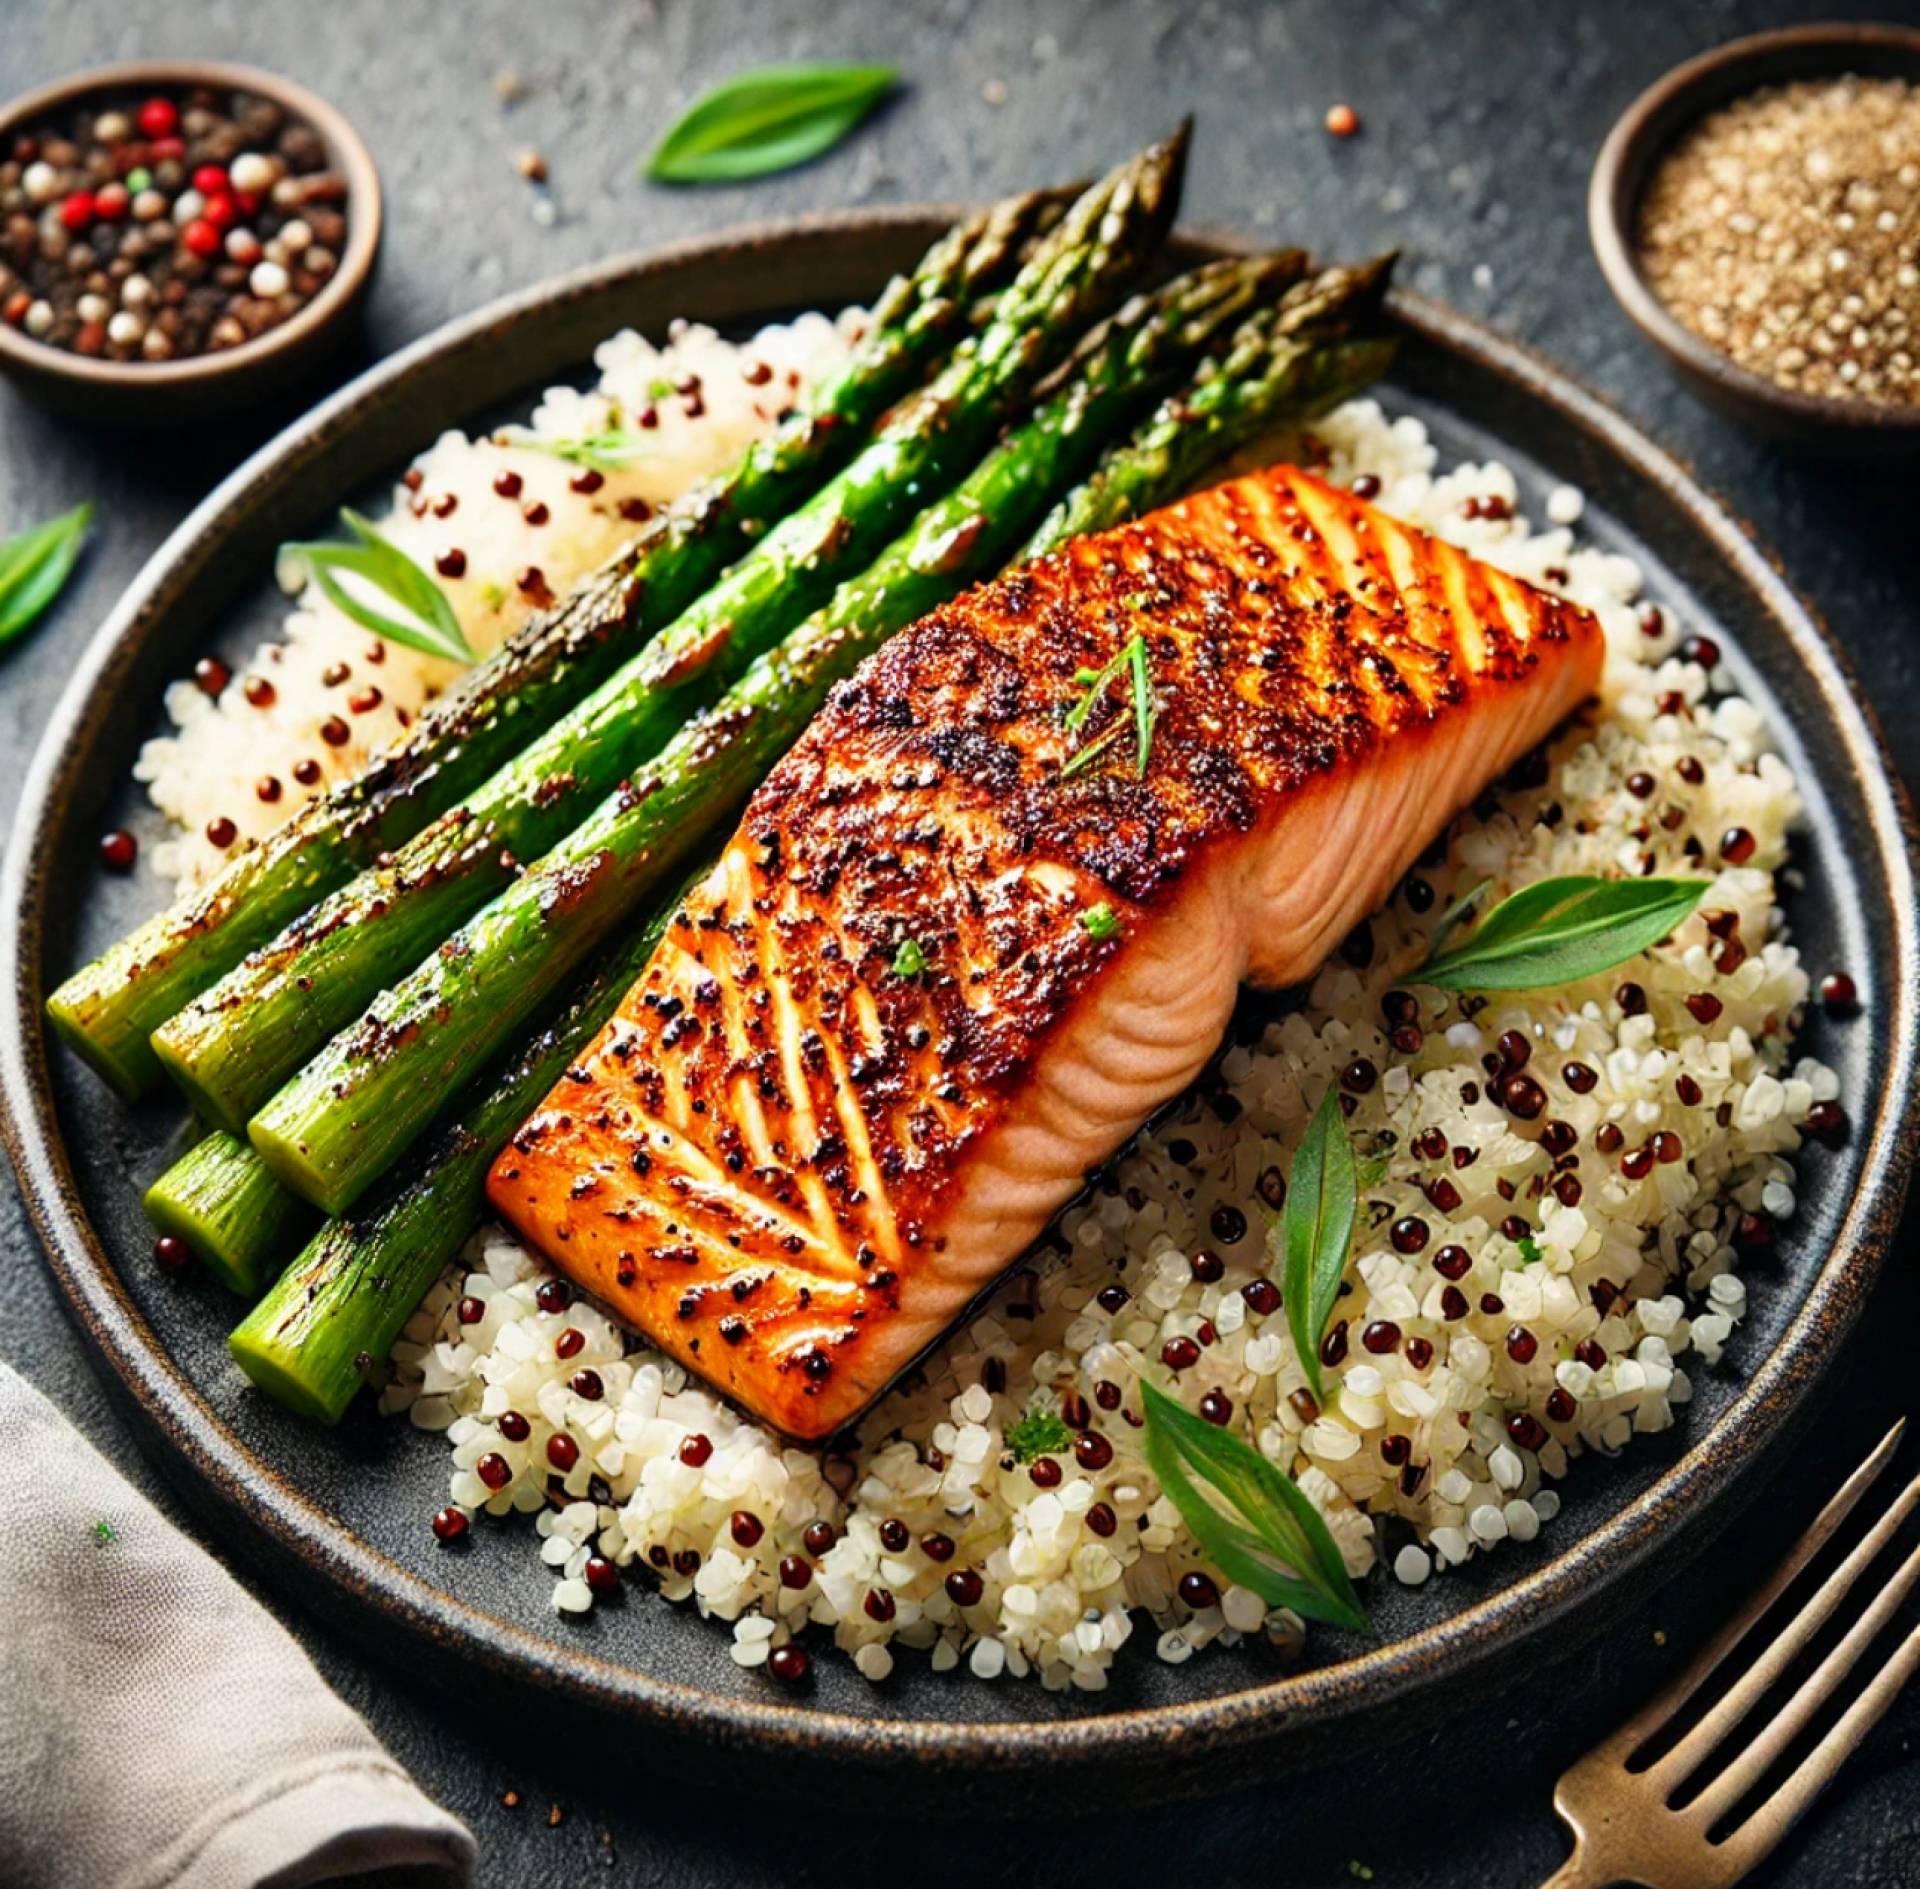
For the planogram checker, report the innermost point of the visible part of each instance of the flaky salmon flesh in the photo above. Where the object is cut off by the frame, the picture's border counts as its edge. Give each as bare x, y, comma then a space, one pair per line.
969, 934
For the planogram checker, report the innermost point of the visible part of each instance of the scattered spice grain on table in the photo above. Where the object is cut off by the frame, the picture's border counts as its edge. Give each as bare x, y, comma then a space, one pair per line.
1784, 230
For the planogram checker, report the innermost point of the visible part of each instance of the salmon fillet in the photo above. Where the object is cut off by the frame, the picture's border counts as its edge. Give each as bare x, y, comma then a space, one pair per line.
794, 1157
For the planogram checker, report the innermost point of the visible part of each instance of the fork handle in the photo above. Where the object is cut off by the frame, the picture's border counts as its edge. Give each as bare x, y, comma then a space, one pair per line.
1576, 1873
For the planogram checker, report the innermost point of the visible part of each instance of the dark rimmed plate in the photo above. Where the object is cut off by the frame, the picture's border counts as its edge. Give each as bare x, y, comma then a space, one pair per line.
339, 1518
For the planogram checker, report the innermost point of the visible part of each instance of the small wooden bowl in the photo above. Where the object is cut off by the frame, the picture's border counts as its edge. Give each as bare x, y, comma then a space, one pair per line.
1646, 131
142, 393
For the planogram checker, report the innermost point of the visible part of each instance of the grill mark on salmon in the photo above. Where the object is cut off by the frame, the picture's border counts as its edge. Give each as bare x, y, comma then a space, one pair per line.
793, 1166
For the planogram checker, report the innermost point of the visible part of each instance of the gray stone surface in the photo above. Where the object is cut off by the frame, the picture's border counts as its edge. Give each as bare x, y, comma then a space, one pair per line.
1480, 124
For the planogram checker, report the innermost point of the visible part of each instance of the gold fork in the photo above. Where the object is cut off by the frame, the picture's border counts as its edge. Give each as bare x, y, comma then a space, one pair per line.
1624, 1828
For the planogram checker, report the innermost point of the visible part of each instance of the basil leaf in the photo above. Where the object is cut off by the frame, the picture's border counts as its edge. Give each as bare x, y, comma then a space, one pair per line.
427, 623
1560, 930
1251, 1519
767, 120
35, 566
1316, 1229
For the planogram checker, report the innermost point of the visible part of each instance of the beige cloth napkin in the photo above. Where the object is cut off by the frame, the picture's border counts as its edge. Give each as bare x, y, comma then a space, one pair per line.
158, 1728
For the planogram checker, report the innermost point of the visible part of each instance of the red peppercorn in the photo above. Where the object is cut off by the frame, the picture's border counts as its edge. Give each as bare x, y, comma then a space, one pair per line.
695, 1449
1736, 845
818, 1538
586, 1384
202, 237
1198, 1591
745, 1527
1523, 1097
1561, 1407
1441, 1193
1608, 1137
118, 850
795, 1572
562, 1451
1178, 1354
789, 1664
1419, 1352
1102, 1520
1492, 1304
1591, 1352
268, 789
571, 1342
1217, 1407
1703, 1006
1637, 1163
964, 1587
1526, 1430
171, 1253
1045, 1473
601, 1575
494, 1470
335, 732
937, 1547
306, 771
1091, 1450
209, 179
471, 1310
211, 676
1521, 1345
77, 211
1687, 1089
879, 1605
1359, 1076
1667, 1147
1453, 1305
1395, 1449
1107, 1395
221, 832
1579, 1077
1333, 1347
1111, 1299
1641, 786
1840, 993
553, 1295
514, 1427
157, 118
1207, 1267
687, 1562
450, 1523
1631, 999
1381, 1337
508, 484
1409, 1235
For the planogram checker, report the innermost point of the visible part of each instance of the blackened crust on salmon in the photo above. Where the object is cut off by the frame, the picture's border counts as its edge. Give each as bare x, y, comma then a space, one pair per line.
865, 987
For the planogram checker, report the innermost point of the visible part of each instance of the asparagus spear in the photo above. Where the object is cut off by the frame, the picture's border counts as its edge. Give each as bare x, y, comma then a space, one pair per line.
310, 1342
338, 1307
221, 1199
1284, 366
355, 1106
233, 1047
109, 1010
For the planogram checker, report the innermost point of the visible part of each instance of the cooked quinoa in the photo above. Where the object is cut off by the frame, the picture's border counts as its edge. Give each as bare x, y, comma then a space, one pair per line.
1558, 1187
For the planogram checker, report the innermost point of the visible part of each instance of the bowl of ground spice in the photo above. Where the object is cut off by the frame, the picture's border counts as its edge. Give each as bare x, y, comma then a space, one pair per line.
176, 238
1757, 214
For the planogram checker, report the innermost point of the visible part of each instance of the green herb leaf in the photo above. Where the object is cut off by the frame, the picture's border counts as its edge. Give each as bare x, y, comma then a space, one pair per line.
427, 622
1561, 930
910, 960
1100, 922
1317, 1229
1041, 1432
1445, 925
1132, 662
613, 450
767, 120
1530, 1250
1254, 1524
35, 565
103, 1533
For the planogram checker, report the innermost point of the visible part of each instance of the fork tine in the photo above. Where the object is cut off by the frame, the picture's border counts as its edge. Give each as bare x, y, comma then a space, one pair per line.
1780, 1731
1758, 1835
1660, 1709
1746, 1691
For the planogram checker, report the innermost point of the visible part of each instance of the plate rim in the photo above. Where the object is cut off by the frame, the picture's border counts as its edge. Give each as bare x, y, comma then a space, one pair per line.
278, 1520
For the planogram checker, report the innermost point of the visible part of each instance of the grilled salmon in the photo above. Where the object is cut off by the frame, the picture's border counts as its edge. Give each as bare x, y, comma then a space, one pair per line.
993, 908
